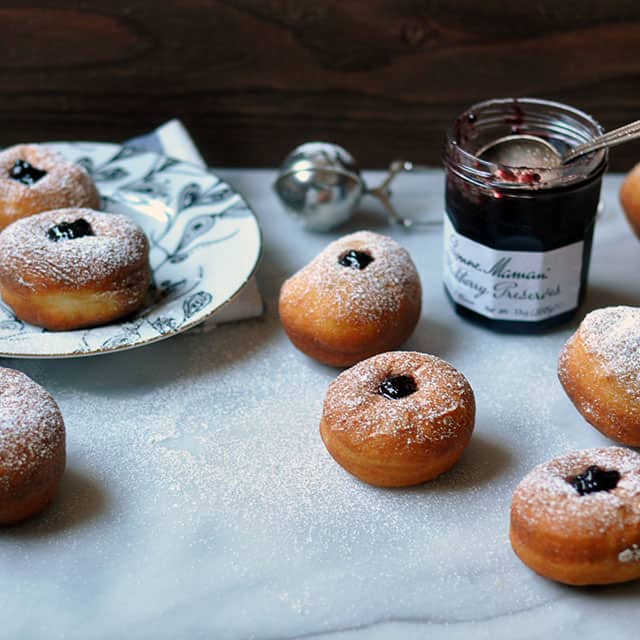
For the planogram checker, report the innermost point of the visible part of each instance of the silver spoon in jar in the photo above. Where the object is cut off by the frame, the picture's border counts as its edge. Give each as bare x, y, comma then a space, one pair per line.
521, 150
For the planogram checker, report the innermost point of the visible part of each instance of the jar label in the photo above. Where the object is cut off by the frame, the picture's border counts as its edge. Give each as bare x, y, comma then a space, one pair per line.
511, 285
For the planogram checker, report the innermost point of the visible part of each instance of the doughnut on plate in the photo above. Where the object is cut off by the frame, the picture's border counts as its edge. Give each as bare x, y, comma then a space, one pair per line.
204, 246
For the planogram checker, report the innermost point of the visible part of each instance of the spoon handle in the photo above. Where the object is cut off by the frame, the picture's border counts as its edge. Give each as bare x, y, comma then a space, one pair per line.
612, 138
621, 133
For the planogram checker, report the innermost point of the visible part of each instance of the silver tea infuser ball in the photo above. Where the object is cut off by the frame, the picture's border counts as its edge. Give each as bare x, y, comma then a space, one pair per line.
319, 183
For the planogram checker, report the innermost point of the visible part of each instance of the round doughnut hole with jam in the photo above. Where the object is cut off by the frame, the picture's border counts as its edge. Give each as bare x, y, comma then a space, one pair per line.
397, 387
70, 230
595, 479
26, 173
355, 259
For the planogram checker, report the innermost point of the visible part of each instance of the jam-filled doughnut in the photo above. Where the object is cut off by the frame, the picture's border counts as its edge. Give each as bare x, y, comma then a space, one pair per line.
630, 198
32, 446
398, 418
599, 369
34, 178
74, 268
360, 296
576, 519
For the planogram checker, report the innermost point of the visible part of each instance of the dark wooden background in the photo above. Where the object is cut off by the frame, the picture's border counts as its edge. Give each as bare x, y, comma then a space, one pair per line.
253, 78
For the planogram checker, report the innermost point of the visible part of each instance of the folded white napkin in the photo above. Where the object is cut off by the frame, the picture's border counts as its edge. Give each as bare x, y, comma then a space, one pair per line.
172, 139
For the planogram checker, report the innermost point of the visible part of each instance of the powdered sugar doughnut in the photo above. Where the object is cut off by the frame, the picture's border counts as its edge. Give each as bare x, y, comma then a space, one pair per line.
73, 268
32, 446
576, 519
34, 178
398, 418
360, 296
599, 369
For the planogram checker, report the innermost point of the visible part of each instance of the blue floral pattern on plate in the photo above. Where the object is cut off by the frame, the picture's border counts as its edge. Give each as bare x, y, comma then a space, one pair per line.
204, 245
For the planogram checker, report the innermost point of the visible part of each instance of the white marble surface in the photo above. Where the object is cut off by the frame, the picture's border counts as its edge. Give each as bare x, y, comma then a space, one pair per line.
199, 501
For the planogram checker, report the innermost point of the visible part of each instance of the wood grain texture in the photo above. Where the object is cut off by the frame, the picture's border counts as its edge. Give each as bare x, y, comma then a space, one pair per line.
253, 78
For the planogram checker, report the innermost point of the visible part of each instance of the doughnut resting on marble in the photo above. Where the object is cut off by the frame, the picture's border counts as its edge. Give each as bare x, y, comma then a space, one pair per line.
599, 369
398, 418
32, 446
576, 519
358, 297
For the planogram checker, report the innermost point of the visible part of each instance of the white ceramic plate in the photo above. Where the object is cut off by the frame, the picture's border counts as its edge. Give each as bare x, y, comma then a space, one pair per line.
205, 244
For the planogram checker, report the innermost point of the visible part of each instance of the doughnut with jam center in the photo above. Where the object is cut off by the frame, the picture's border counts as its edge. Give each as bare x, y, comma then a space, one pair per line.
74, 268
398, 419
576, 519
34, 178
358, 297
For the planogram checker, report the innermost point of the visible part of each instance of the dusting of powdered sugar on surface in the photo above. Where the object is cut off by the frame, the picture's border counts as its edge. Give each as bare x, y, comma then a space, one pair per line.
190, 495
193, 476
199, 495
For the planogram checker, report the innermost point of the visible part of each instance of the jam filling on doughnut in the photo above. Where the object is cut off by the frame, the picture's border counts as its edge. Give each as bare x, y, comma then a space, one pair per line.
70, 230
595, 479
26, 173
355, 259
397, 387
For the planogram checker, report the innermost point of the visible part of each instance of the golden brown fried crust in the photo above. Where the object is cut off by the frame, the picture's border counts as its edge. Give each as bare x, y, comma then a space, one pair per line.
599, 396
23, 497
60, 310
630, 198
32, 447
584, 567
342, 344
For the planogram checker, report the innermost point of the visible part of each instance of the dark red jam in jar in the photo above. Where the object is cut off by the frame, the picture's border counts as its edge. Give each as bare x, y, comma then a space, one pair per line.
517, 238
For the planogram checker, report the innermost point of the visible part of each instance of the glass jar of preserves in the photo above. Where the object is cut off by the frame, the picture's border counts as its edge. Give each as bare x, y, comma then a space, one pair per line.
517, 238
